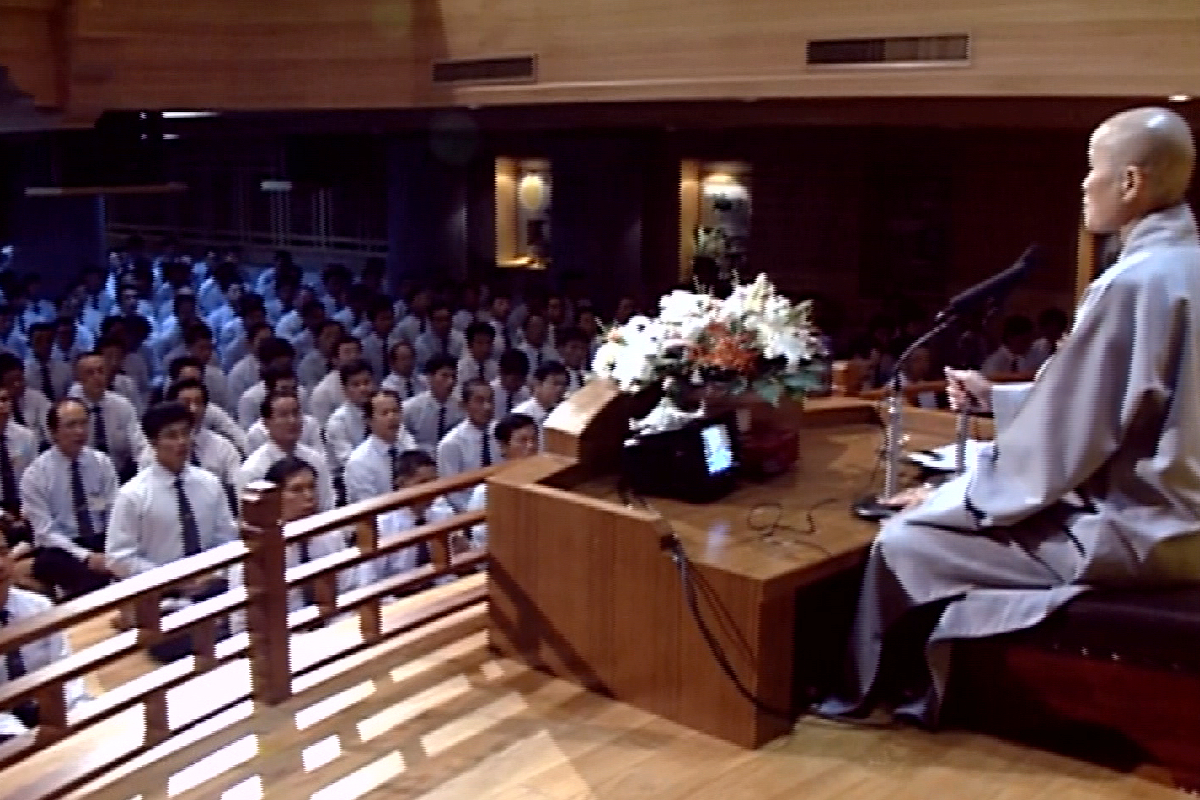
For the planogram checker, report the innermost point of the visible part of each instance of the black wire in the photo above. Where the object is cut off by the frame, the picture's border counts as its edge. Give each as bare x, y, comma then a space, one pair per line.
771, 529
684, 566
689, 581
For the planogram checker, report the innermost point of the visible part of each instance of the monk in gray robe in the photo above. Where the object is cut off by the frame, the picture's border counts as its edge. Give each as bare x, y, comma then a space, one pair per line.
1093, 478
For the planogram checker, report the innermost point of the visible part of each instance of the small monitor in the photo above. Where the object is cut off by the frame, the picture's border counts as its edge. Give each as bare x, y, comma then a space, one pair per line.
698, 463
718, 448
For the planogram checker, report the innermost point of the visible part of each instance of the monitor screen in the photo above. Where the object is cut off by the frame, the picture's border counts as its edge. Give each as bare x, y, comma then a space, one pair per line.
718, 450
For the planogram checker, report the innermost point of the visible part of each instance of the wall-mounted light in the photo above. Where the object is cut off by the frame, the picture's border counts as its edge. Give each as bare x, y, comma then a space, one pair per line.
275, 186
1180, 98
532, 192
188, 114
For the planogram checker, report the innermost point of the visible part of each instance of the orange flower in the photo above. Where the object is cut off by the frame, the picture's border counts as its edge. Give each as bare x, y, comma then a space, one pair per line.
719, 347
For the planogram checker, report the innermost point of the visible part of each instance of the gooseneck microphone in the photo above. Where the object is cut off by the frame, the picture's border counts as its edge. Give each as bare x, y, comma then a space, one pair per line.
994, 288
991, 290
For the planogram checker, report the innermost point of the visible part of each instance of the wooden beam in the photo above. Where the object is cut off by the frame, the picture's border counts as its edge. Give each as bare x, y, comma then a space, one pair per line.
82, 191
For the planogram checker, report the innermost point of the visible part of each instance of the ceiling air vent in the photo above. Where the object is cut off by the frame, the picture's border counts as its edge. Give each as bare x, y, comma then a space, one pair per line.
513, 69
894, 51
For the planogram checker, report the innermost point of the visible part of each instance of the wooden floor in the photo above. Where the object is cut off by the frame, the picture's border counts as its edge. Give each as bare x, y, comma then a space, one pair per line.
450, 722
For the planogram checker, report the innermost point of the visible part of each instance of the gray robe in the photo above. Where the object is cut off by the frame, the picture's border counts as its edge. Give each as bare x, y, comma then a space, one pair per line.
1093, 478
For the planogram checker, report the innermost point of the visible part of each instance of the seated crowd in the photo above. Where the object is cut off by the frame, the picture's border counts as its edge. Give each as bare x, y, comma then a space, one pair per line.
136, 409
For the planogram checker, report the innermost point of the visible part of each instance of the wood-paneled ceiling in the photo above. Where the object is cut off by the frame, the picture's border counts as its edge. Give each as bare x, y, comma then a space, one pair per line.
80, 57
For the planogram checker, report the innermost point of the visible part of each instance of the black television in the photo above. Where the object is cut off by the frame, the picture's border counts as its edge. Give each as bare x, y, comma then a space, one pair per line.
698, 463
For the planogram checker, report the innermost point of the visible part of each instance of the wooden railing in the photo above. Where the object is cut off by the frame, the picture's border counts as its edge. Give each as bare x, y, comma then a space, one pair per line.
266, 642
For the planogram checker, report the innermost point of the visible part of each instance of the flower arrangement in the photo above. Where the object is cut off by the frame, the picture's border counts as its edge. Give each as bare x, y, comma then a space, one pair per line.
754, 340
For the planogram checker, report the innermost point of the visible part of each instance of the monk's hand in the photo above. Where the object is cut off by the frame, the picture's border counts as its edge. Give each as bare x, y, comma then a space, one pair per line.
968, 389
909, 498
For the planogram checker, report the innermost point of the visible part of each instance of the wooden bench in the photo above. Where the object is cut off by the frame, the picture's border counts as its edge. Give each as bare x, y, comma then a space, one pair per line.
167, 706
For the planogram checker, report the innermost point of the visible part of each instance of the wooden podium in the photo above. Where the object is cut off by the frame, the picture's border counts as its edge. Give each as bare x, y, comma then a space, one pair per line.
581, 587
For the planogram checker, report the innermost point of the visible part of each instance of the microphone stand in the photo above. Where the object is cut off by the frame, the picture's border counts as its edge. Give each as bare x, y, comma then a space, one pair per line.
872, 507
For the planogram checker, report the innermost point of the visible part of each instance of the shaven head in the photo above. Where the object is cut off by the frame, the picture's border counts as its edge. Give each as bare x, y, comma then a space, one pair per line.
1142, 161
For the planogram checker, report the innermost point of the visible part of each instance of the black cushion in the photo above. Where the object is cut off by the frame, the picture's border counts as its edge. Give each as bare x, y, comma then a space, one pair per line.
1151, 627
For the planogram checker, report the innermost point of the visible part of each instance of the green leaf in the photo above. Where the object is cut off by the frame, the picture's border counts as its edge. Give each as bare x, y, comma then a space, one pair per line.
770, 391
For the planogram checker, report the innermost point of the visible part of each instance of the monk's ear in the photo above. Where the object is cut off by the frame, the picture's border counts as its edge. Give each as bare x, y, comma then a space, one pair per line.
1133, 182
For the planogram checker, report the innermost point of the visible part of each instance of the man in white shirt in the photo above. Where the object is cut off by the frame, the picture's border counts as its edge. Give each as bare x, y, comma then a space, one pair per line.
311, 318
499, 316
210, 451
234, 343
66, 494
29, 406
114, 427
171, 331
17, 605
512, 387
347, 426
477, 362
470, 444
198, 348
18, 449
381, 336
246, 372
1015, 358
430, 415
549, 387
51, 376
329, 392
536, 345
415, 323
573, 347
216, 419
517, 436
274, 378
1052, 325
404, 379
112, 350
282, 417
440, 339
415, 468
373, 467
169, 511
318, 362
310, 429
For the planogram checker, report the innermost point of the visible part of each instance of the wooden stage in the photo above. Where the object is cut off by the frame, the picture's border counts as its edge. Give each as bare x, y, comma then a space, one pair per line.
438, 716
455, 723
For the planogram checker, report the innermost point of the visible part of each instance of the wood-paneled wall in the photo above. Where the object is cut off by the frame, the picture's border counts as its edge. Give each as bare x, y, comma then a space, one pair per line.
235, 54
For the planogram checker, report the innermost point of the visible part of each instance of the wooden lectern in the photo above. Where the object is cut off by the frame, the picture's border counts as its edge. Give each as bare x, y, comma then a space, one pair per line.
581, 587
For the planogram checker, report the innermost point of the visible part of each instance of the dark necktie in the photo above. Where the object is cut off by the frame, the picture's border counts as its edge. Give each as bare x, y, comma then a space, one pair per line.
408, 382
508, 401
395, 457
83, 514
441, 425
14, 661
423, 555
8, 478
486, 457
1016, 365
187, 520
482, 376
99, 433
47, 384
14, 664
538, 356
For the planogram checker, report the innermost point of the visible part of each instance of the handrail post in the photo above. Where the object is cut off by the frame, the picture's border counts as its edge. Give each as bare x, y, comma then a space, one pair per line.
266, 593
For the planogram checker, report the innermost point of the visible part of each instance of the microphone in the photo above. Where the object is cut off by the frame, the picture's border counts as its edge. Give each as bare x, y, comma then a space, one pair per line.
994, 287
